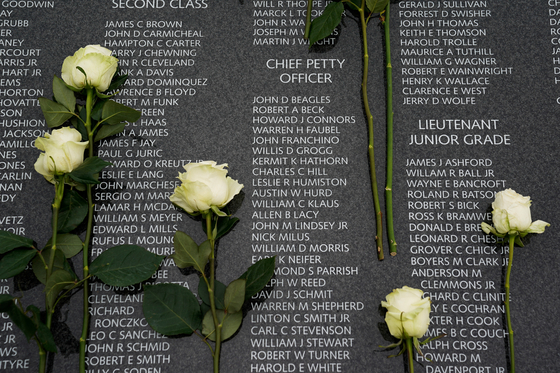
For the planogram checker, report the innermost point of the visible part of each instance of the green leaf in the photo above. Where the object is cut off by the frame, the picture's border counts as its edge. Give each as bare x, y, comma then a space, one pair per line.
219, 290
392, 345
103, 96
376, 6
125, 265
230, 324
117, 81
218, 212
63, 95
427, 340
87, 172
43, 333
109, 130
323, 26
58, 281
79, 125
356, 4
171, 309
208, 324
39, 266
73, 211
20, 319
55, 114
258, 275
46, 338
15, 262
69, 244
188, 253
115, 113
10, 241
223, 225
235, 296
97, 110
6, 302
204, 308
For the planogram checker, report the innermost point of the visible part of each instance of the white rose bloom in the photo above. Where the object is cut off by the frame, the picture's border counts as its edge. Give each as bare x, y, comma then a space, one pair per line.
408, 314
98, 65
512, 212
63, 152
512, 215
204, 185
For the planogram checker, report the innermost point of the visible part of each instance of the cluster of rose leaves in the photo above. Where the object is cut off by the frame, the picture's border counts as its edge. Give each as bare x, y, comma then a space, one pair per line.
117, 266
120, 265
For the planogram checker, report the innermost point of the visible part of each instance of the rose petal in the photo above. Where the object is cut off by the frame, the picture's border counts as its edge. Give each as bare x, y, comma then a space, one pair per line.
500, 220
408, 314
538, 227
96, 62
63, 152
519, 217
205, 185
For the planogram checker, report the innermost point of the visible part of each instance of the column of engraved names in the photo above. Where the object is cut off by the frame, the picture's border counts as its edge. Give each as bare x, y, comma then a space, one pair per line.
21, 122
444, 61
133, 204
443, 58
455, 263
295, 149
282, 22
20, 117
554, 23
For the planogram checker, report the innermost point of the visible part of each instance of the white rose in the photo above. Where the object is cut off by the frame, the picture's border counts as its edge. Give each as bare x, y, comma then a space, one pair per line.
512, 215
98, 65
63, 152
408, 314
204, 186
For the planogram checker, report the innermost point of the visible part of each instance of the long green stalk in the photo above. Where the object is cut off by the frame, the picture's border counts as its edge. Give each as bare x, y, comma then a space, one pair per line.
410, 355
377, 207
211, 292
389, 182
308, 19
87, 240
59, 194
42, 359
508, 314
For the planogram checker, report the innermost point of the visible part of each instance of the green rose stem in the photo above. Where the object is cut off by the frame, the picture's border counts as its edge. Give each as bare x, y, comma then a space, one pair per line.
308, 19
378, 215
42, 359
410, 352
508, 315
211, 289
85, 320
59, 194
389, 184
